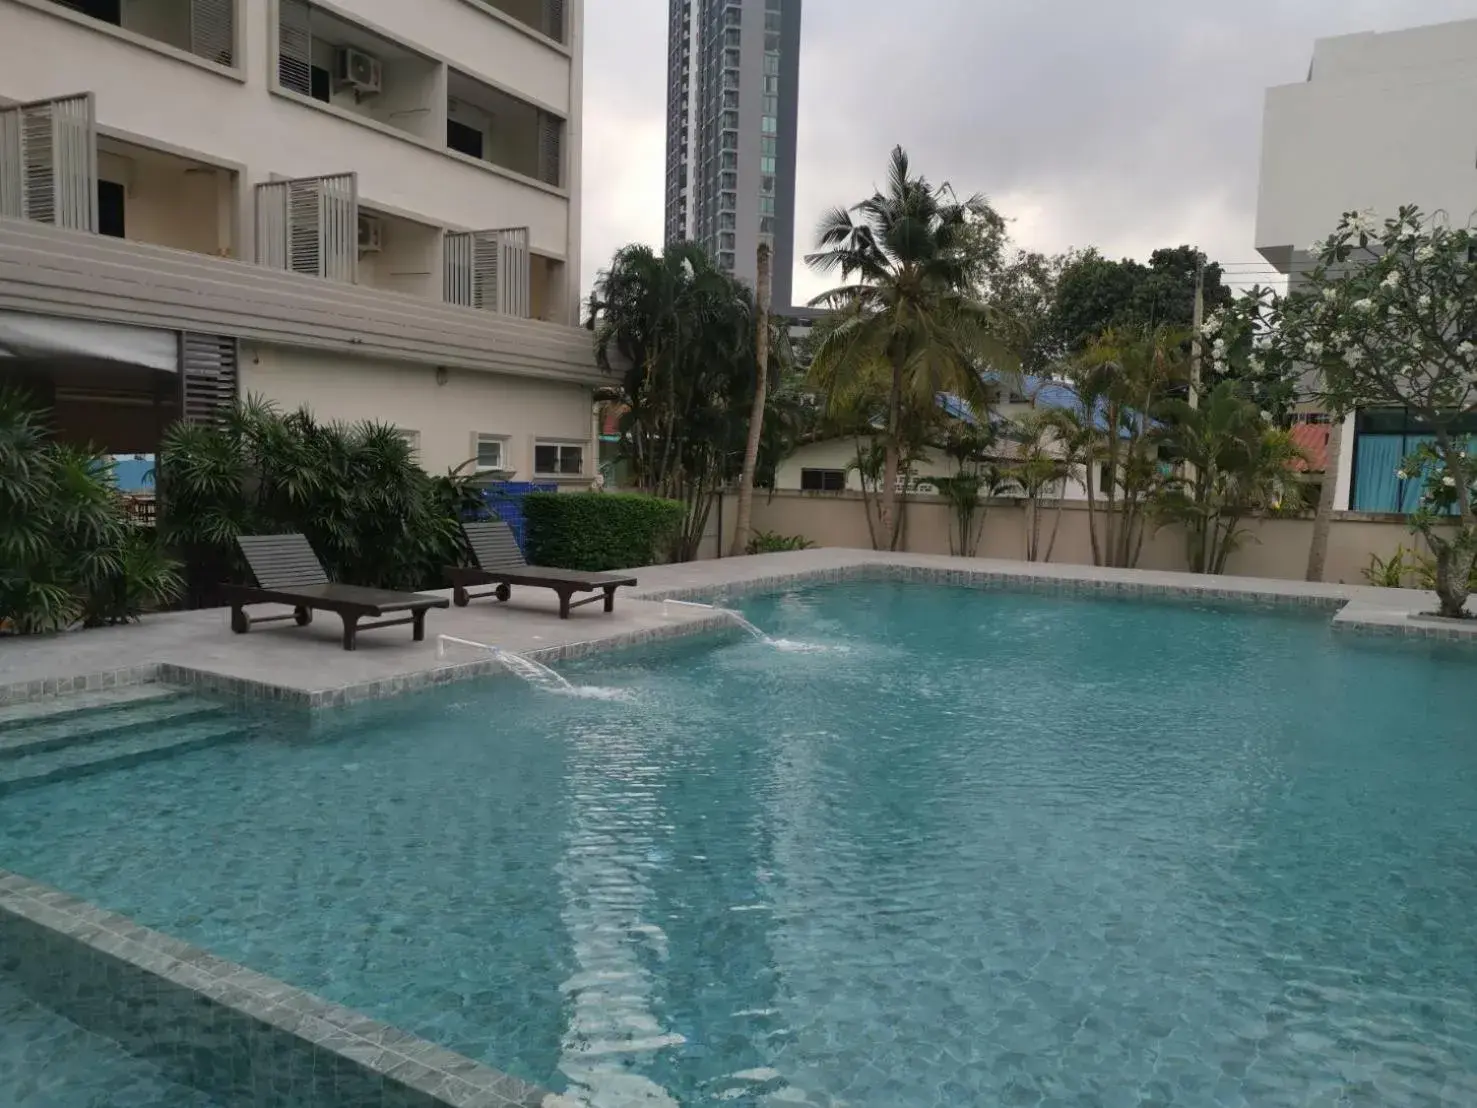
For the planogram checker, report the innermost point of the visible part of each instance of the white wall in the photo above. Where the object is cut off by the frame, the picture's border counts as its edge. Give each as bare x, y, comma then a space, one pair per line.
446, 417
235, 117
1386, 120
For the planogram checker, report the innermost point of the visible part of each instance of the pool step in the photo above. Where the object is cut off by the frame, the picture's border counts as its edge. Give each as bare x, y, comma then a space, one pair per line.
69, 726
79, 704
195, 729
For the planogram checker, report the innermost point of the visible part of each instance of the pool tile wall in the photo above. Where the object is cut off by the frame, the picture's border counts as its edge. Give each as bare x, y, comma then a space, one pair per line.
244, 1038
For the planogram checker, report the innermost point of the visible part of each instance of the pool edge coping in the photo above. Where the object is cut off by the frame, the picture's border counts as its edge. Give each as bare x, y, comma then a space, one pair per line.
1351, 611
391, 1053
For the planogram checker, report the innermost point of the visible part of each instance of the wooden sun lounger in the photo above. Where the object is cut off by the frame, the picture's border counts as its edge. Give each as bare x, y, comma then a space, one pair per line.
501, 563
288, 572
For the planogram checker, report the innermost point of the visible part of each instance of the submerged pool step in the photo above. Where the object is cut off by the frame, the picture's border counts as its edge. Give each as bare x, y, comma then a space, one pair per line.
195, 730
72, 705
64, 728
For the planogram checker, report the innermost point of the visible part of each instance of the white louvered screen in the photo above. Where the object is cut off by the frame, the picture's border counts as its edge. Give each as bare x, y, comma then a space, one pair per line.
488, 270
310, 225
48, 162
456, 268
295, 46
550, 148
213, 30
513, 271
554, 19
208, 376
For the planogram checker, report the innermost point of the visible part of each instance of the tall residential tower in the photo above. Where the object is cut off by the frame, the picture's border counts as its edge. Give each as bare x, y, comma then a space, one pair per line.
733, 77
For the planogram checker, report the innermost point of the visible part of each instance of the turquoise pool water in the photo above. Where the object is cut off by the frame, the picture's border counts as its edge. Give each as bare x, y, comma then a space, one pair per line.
977, 849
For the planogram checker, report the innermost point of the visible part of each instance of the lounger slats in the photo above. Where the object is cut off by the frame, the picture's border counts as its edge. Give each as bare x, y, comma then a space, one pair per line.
493, 545
282, 561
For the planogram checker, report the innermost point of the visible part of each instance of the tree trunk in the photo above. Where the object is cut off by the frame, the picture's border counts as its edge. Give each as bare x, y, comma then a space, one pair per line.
891, 460
1323, 517
742, 525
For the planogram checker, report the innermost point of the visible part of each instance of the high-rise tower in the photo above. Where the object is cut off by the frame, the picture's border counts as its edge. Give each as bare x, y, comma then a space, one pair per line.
733, 82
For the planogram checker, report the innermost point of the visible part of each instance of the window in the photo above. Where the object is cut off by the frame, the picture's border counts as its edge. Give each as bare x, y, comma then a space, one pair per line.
766, 165
559, 459
772, 85
769, 124
108, 11
772, 64
771, 105
768, 144
729, 160
766, 205
726, 220
771, 21
491, 452
730, 98
766, 224
823, 480
726, 240
463, 139
766, 184
320, 85
110, 209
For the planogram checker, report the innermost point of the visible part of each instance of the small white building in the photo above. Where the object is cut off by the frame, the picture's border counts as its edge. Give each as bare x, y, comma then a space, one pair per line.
370, 207
1381, 121
830, 464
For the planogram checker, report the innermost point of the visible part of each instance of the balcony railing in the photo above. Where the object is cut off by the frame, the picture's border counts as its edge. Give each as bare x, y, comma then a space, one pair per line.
488, 270
205, 28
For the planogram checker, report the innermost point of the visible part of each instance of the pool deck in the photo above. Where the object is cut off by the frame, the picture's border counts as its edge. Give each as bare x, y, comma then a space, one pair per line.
307, 666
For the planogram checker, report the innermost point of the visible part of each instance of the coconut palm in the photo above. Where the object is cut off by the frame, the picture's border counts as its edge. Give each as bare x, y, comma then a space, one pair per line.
904, 313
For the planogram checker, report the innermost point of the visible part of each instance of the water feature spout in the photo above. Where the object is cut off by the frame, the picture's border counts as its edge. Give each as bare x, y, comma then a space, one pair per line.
727, 613
535, 673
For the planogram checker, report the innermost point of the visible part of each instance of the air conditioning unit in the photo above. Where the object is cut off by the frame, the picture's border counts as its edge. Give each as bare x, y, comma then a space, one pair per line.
357, 70
371, 234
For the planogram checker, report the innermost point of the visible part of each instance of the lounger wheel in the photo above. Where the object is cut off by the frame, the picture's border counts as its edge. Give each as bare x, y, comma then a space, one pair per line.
502, 592
303, 616
459, 597
240, 622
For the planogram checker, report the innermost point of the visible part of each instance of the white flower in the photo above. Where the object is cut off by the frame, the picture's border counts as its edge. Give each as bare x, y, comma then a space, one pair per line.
1339, 339
1449, 482
1401, 474
1317, 246
1212, 325
1266, 416
1408, 231
1314, 349
1362, 223
1392, 280
1220, 365
1254, 364
1424, 301
1365, 305
1330, 295
1425, 253
1466, 349
1353, 356
1220, 348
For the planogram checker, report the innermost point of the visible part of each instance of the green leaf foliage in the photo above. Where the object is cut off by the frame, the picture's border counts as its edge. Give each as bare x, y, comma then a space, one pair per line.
770, 542
69, 553
595, 532
373, 516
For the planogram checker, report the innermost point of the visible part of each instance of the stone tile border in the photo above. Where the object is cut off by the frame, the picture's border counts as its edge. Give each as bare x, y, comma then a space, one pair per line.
179, 1003
727, 579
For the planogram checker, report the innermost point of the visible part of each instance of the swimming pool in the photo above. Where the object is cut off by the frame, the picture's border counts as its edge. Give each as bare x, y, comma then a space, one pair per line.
968, 848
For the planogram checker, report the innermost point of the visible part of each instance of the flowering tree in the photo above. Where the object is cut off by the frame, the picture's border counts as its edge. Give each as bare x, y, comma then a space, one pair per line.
1387, 316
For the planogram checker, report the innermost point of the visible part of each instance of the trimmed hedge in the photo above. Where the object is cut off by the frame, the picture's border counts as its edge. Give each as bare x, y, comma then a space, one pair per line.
598, 531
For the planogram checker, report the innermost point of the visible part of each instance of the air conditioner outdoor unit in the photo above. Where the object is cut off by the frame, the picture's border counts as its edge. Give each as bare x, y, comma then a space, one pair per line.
371, 234
357, 70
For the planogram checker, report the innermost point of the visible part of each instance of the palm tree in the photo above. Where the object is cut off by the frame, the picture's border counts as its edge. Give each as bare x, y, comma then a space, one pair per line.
1237, 465
1042, 462
756, 412
678, 335
1120, 380
904, 312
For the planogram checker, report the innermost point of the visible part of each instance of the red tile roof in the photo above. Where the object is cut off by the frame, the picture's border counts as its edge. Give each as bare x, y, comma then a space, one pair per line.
1312, 439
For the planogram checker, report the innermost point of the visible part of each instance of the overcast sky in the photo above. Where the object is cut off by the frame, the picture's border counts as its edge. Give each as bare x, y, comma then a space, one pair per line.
1083, 123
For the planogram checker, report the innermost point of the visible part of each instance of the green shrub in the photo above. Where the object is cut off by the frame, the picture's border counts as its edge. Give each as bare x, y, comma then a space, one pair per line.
598, 531
768, 542
373, 516
69, 553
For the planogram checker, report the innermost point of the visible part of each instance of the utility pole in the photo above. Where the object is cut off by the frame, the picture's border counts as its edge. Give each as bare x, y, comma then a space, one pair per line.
756, 416
1197, 344
1197, 322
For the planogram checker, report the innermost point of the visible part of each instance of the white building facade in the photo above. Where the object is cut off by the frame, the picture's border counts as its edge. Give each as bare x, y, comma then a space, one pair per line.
368, 207
1382, 120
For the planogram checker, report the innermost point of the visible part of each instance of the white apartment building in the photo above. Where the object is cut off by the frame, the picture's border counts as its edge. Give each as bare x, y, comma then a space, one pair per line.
369, 207
1382, 120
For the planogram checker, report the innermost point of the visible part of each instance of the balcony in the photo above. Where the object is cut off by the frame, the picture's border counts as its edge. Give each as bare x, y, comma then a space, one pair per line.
397, 254
341, 64
544, 16
146, 195
204, 28
488, 124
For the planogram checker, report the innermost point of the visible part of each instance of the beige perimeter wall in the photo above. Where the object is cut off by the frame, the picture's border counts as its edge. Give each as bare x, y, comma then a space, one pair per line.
446, 417
1276, 548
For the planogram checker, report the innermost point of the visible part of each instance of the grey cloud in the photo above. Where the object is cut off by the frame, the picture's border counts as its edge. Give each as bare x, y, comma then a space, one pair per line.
1113, 124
